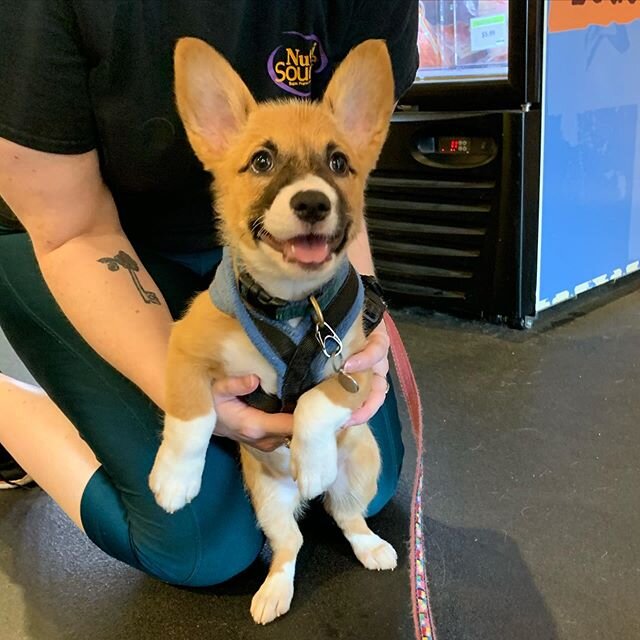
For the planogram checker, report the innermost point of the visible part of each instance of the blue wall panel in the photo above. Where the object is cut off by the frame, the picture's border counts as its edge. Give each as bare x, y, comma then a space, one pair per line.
590, 206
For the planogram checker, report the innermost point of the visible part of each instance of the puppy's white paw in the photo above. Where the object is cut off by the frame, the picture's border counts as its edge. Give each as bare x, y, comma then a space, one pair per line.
273, 599
313, 468
374, 552
175, 481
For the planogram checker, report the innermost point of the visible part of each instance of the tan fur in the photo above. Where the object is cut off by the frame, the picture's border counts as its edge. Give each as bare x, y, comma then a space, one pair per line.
297, 127
225, 127
192, 361
289, 125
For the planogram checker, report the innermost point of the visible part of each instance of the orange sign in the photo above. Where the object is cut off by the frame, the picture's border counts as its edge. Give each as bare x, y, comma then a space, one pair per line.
565, 15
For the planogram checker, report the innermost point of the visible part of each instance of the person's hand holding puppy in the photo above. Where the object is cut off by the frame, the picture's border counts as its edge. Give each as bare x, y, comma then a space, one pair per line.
238, 421
374, 356
267, 431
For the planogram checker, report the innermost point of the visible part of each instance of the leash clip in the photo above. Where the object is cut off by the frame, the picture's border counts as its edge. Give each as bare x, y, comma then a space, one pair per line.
347, 382
329, 335
325, 340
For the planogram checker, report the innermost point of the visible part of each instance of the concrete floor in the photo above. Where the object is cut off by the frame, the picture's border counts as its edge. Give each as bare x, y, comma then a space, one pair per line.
532, 523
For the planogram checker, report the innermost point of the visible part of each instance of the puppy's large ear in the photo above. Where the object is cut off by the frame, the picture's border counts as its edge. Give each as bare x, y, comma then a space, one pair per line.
361, 96
212, 99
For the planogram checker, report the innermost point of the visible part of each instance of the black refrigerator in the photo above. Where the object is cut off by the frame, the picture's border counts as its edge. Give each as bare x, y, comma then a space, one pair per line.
453, 204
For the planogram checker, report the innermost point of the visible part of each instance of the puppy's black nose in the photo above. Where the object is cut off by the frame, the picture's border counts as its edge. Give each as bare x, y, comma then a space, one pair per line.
311, 206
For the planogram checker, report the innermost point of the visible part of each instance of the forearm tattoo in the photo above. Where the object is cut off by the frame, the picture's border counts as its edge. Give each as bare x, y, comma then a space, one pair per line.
124, 260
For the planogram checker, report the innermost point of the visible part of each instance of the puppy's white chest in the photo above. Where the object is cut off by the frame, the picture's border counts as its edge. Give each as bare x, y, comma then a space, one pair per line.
240, 358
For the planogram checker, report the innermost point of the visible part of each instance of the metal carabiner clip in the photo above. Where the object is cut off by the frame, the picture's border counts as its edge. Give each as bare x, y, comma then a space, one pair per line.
330, 335
323, 340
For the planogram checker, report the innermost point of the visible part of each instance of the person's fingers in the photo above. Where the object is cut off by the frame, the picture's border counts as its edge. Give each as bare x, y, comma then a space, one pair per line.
376, 349
230, 388
254, 437
278, 424
267, 444
381, 368
379, 388
240, 417
266, 424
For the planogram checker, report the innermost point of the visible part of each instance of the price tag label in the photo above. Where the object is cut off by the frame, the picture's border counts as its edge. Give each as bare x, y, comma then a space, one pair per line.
488, 32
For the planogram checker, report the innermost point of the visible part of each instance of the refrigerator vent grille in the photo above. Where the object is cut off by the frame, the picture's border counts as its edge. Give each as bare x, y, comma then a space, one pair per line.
428, 236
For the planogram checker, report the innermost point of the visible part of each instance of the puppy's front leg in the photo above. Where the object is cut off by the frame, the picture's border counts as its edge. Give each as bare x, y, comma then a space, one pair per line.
318, 416
189, 422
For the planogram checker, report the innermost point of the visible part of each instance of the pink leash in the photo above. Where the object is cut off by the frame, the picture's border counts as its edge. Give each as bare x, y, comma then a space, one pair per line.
421, 601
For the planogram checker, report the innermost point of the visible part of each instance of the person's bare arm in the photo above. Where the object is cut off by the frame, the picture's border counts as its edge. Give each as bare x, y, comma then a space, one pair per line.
102, 286
87, 262
360, 253
375, 355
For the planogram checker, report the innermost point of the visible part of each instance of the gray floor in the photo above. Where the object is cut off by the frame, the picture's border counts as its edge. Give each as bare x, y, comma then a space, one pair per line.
532, 508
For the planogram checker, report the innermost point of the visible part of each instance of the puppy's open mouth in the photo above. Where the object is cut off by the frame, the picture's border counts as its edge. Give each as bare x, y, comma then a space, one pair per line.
309, 250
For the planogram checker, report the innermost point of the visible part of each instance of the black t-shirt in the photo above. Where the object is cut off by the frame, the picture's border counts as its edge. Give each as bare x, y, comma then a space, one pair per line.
82, 74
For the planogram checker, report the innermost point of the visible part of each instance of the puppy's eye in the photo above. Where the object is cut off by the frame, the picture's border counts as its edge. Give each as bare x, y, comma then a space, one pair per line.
262, 161
338, 163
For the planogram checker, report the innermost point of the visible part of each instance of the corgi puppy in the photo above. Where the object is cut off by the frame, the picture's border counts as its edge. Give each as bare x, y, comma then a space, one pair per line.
289, 190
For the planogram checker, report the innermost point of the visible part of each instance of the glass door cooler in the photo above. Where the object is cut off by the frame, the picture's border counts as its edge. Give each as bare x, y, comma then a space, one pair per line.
450, 203
463, 41
510, 180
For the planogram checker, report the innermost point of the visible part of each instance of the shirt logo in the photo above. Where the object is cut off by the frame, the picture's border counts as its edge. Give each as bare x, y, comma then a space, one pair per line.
291, 67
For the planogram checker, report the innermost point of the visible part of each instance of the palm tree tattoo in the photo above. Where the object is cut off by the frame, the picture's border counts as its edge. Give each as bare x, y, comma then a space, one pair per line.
124, 260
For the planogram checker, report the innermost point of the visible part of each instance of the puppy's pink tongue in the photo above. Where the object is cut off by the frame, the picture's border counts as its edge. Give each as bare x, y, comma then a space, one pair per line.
306, 249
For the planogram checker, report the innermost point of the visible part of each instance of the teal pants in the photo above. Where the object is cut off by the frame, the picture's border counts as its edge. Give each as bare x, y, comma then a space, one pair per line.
216, 536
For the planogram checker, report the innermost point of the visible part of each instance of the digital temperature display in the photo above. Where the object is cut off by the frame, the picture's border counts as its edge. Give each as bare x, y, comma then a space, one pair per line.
454, 145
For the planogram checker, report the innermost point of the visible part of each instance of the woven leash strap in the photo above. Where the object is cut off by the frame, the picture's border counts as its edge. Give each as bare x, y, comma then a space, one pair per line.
421, 602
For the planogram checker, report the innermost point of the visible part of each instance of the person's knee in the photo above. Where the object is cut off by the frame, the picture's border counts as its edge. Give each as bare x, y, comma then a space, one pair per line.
185, 570
221, 562
207, 542
193, 547
195, 556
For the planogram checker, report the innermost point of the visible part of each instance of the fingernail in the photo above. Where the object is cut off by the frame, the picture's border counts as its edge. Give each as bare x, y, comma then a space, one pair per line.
350, 365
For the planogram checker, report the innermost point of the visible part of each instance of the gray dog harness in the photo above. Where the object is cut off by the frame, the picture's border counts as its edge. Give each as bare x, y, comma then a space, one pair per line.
298, 353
